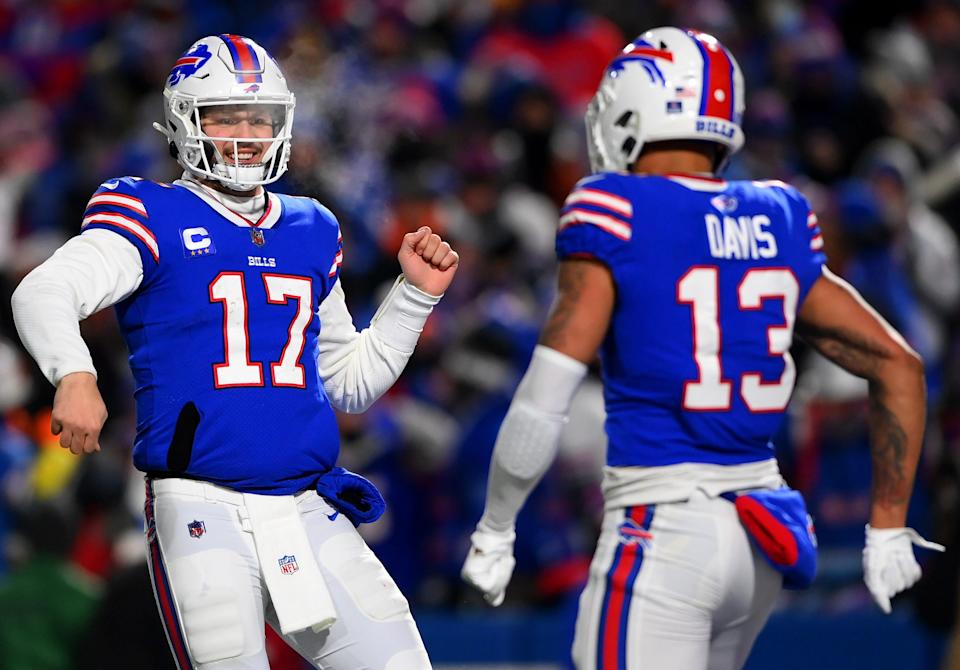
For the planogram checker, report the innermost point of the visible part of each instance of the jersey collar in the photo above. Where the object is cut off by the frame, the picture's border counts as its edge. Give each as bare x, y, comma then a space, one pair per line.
698, 183
269, 218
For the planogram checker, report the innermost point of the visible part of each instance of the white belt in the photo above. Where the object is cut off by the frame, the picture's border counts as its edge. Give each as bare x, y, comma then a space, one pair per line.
192, 487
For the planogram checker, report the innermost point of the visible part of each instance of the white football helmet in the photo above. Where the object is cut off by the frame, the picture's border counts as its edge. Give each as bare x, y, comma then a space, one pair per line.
218, 71
668, 84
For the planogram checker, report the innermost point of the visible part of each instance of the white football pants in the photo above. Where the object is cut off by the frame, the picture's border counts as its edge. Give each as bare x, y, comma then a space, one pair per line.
201, 551
673, 585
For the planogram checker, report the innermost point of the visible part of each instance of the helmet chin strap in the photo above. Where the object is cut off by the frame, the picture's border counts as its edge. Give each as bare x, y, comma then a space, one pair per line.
240, 179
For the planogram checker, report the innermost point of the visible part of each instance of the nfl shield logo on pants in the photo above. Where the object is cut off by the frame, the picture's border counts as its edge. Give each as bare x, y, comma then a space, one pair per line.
288, 564
196, 528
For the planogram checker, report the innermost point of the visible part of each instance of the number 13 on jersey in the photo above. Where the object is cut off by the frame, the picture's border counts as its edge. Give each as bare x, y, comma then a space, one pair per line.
699, 288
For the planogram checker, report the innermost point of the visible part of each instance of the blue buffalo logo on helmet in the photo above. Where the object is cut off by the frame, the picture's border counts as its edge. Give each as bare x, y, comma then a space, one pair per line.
189, 63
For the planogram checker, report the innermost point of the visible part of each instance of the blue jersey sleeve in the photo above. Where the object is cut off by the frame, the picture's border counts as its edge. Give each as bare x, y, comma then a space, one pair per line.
596, 222
807, 255
119, 206
330, 224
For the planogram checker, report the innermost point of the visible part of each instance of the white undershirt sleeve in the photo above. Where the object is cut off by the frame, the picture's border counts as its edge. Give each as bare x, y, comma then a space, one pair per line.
88, 273
527, 442
358, 367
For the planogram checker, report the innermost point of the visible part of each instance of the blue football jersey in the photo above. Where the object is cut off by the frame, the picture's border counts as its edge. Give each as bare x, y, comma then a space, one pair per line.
222, 334
709, 277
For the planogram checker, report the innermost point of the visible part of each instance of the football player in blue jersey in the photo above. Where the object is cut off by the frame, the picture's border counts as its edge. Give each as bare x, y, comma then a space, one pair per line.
241, 346
691, 289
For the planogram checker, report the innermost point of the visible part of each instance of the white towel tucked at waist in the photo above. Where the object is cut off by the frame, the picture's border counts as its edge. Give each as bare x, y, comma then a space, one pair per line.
297, 589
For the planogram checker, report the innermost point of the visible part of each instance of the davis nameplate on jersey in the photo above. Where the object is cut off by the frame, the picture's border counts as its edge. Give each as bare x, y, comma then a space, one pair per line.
197, 242
196, 528
288, 564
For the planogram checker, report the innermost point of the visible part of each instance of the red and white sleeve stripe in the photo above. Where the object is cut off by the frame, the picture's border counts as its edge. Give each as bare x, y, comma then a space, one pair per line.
609, 212
118, 200
589, 196
135, 228
609, 224
816, 242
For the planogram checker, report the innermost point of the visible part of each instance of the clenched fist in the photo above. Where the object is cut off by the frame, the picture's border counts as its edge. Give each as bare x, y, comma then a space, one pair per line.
78, 413
427, 261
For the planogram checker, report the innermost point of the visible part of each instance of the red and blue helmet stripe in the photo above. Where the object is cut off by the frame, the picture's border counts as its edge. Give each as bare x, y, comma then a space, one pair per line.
245, 61
718, 96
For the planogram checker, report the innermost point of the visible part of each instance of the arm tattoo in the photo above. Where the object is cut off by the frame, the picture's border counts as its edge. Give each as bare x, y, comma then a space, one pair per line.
847, 349
888, 451
569, 292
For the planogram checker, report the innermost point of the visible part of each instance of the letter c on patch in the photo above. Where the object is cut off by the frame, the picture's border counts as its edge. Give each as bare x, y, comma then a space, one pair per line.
195, 239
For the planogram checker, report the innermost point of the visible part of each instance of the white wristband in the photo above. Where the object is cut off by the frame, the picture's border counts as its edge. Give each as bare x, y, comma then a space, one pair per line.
402, 315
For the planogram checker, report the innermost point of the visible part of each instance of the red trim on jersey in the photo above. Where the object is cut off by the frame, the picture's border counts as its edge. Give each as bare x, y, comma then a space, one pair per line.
686, 175
598, 198
263, 217
337, 262
132, 226
266, 212
119, 200
577, 216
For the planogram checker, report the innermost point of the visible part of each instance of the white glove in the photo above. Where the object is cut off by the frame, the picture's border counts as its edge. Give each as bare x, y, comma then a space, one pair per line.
490, 562
889, 566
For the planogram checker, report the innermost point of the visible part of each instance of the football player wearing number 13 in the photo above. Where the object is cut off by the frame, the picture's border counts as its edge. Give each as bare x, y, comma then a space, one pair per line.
241, 345
691, 287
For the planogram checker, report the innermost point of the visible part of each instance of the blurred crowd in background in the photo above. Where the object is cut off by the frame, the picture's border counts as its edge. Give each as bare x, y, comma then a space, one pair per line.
467, 117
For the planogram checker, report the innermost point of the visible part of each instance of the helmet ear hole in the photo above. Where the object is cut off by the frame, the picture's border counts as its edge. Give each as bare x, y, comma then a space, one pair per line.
624, 119
627, 146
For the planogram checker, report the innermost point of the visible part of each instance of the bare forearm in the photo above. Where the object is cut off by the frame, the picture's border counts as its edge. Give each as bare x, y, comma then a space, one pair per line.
843, 327
897, 417
897, 413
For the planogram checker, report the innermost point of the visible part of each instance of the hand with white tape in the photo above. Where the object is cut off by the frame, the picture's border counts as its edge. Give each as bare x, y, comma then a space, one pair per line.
889, 565
490, 562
